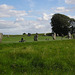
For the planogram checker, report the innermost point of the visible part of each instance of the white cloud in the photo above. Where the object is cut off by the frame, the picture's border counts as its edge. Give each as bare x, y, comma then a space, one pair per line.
21, 25
17, 13
71, 16
9, 11
45, 17
5, 7
61, 9
4, 14
39, 26
7, 24
70, 1
20, 19
40, 18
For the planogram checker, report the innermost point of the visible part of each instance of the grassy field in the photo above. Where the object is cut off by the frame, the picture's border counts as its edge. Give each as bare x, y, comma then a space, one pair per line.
17, 38
37, 58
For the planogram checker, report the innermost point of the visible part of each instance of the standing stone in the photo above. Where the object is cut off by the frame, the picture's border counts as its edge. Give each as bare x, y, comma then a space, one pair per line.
74, 36
1, 35
69, 35
8, 36
57, 34
54, 36
62, 36
44, 34
36, 37
29, 34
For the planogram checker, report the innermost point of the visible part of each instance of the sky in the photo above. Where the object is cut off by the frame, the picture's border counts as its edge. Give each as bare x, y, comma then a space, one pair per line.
32, 16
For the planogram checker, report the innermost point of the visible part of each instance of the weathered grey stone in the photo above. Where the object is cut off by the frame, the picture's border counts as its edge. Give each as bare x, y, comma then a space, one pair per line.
36, 37
8, 36
54, 36
57, 34
44, 34
1, 35
22, 40
69, 35
29, 34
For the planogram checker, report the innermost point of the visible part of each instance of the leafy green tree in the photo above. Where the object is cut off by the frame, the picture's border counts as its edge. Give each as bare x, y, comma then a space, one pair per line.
24, 33
60, 24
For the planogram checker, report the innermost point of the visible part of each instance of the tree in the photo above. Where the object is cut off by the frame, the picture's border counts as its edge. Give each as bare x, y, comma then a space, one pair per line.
72, 28
60, 24
24, 33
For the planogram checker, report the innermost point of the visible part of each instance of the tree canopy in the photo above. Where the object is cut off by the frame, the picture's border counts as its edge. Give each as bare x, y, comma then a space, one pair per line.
60, 24
72, 29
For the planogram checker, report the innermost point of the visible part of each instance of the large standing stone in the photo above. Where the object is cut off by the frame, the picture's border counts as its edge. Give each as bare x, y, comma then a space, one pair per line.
69, 35
44, 34
1, 35
54, 36
36, 37
29, 34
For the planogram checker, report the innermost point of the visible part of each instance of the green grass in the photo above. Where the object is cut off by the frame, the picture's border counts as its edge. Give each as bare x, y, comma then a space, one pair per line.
17, 38
37, 58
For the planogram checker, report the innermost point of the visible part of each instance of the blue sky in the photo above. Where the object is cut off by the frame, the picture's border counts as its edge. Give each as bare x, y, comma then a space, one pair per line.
32, 16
